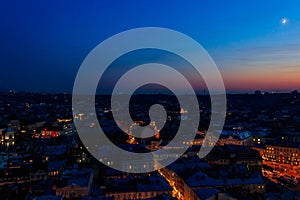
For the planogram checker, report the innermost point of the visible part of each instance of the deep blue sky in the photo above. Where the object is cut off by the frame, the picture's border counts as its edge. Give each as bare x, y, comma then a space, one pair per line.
44, 42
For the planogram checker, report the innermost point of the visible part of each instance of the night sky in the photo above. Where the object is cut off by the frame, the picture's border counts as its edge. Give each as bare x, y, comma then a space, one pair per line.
255, 44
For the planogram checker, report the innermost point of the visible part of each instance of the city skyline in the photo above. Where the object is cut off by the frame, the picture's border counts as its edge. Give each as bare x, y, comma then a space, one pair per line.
121, 100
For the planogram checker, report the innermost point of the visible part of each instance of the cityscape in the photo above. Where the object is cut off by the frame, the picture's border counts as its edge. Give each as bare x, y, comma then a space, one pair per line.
195, 100
257, 155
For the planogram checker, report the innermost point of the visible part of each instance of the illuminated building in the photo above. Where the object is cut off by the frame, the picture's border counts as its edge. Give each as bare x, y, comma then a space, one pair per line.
8, 137
76, 183
243, 138
151, 193
49, 134
282, 154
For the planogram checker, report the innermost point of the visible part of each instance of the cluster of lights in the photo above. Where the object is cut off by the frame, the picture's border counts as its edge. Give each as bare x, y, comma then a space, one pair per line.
175, 191
64, 120
258, 140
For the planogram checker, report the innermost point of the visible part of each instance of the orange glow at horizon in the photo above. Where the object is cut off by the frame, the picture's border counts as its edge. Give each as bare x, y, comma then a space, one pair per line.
261, 80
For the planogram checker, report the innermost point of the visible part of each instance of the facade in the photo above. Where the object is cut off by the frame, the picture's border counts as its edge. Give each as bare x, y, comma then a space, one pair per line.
78, 183
235, 154
253, 184
73, 191
136, 194
8, 137
282, 154
244, 139
49, 133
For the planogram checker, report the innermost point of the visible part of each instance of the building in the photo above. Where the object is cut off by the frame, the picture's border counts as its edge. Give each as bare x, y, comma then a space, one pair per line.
139, 194
8, 137
76, 183
49, 133
73, 191
252, 184
244, 138
54, 167
235, 155
137, 187
181, 189
69, 128
282, 154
